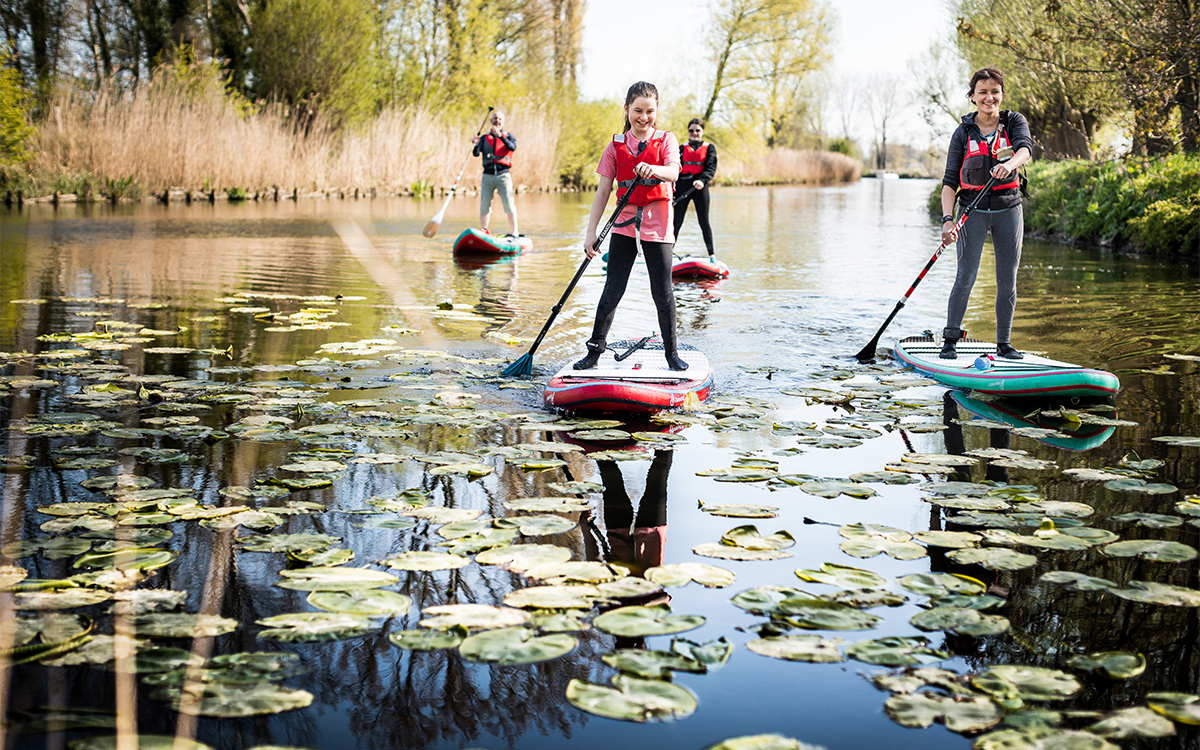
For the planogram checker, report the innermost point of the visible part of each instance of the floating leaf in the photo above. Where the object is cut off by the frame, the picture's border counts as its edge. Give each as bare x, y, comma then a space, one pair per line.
959, 714
1181, 707
646, 621
515, 646
866, 540
1005, 681
335, 579
473, 617
56, 600
301, 627
1117, 665
942, 584
652, 665
549, 504
632, 699
554, 597
738, 474
538, 525
1157, 593
426, 640
948, 539
427, 561
138, 742
521, 557
681, 574
182, 625
747, 537
727, 552
287, 542
369, 602
472, 470
577, 572
807, 648
896, 651
1077, 581
1041, 738
766, 600
843, 576
962, 621
1151, 549
739, 511
993, 558
1133, 723
1149, 520
762, 742
1091, 475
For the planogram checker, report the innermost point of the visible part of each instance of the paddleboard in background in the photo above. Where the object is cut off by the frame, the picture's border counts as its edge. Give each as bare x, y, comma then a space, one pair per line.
1011, 378
640, 382
1075, 436
477, 241
702, 268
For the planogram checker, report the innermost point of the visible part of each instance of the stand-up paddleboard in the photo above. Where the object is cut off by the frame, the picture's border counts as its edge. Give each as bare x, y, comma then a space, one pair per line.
1012, 378
640, 382
475, 241
702, 268
1079, 436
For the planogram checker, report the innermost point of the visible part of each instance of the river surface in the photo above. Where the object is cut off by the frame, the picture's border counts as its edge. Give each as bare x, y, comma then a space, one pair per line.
339, 316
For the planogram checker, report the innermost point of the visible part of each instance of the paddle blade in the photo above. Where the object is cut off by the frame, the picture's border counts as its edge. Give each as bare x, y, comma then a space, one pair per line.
521, 368
868, 352
433, 226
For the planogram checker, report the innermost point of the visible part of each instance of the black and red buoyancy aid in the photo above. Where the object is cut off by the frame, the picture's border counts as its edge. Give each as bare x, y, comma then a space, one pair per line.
501, 153
979, 158
645, 190
692, 160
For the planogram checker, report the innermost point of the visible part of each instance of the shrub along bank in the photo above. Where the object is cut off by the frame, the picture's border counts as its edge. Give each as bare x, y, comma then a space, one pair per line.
1144, 206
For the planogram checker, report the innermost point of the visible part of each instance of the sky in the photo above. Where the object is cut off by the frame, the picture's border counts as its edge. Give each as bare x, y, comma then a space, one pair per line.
662, 41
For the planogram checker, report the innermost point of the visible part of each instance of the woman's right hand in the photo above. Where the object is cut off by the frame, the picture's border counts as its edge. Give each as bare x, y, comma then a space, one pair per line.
948, 233
589, 245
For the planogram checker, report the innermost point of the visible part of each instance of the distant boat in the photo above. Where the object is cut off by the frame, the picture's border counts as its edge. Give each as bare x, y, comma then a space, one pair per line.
888, 176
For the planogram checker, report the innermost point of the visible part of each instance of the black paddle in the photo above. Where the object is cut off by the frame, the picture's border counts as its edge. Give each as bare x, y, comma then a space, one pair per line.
523, 366
683, 195
868, 352
435, 223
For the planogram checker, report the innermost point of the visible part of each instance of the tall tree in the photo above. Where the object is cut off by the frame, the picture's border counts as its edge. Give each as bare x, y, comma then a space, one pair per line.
882, 99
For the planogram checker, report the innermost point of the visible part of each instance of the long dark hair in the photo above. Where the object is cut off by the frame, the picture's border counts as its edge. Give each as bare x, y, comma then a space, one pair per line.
641, 88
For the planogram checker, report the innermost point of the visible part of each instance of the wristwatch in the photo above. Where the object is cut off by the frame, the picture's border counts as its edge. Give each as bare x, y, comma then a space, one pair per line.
946, 218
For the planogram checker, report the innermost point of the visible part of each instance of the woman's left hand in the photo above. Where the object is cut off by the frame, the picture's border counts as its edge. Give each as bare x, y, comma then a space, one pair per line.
698, 184
1000, 171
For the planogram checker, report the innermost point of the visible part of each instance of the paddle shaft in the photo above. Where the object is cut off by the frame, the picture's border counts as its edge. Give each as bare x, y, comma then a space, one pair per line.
463, 168
868, 351
579, 274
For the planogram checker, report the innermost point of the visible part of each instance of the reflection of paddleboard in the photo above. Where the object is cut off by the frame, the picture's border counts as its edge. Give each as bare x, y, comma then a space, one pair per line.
640, 382
1013, 378
704, 268
475, 241
1080, 437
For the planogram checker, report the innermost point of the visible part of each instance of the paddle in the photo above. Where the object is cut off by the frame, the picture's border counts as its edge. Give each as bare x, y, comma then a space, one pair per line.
683, 195
436, 222
523, 366
867, 353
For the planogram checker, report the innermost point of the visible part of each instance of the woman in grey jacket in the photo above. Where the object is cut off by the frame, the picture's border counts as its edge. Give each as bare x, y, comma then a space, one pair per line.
970, 162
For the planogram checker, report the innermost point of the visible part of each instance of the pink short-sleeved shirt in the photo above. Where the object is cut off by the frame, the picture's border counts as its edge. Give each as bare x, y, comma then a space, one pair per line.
657, 223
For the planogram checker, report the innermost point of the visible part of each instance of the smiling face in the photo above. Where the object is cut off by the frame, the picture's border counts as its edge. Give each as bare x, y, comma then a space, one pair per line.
695, 132
987, 96
497, 121
642, 113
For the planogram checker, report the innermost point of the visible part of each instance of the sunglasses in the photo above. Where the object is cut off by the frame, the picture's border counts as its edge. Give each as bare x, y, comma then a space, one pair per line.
695, 130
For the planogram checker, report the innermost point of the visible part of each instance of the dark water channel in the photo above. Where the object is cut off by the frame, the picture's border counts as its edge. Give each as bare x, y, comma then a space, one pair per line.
305, 313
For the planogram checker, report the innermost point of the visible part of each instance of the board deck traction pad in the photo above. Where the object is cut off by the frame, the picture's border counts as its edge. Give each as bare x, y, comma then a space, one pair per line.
647, 363
1034, 375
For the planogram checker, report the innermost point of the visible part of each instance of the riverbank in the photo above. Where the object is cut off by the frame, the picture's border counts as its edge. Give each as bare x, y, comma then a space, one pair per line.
1149, 206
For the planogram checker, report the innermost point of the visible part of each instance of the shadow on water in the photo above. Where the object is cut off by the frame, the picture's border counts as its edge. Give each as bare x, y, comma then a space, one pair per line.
208, 348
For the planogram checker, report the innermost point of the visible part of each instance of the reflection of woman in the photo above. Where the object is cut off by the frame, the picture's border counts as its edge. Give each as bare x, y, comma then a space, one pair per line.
970, 161
698, 166
636, 539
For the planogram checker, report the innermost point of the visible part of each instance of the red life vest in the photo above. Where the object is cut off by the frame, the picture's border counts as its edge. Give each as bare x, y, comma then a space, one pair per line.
645, 191
501, 154
692, 160
978, 159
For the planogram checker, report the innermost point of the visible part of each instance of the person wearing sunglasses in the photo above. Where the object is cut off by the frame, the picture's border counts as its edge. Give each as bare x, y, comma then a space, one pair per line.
496, 147
698, 166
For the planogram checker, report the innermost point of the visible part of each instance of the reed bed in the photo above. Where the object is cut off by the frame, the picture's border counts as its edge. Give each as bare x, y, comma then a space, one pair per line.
191, 135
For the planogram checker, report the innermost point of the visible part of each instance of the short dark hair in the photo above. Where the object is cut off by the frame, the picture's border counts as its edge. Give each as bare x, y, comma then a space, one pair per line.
984, 74
696, 121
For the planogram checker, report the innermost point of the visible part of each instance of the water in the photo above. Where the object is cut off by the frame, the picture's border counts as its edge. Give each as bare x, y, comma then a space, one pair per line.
815, 272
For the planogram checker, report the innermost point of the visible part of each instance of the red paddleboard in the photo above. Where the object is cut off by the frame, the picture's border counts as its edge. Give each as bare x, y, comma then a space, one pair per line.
476, 241
703, 268
639, 383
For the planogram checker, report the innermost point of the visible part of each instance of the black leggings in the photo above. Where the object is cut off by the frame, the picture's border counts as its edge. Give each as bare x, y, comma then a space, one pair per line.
622, 252
700, 198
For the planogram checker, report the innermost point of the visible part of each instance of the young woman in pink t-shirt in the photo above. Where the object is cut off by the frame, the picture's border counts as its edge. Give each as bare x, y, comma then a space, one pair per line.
645, 160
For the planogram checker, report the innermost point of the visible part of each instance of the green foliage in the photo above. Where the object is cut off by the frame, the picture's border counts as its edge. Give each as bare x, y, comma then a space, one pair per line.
237, 193
15, 129
1153, 206
586, 129
122, 188
318, 58
844, 146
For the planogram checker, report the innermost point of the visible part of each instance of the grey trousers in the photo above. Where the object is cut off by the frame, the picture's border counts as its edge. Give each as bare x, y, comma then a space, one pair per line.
1008, 228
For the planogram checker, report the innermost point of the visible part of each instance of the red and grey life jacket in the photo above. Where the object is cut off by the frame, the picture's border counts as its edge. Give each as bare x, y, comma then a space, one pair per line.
501, 153
979, 158
645, 190
692, 160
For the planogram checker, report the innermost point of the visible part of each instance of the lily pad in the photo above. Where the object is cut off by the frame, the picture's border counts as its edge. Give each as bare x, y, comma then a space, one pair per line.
993, 558
1116, 665
438, 516
867, 540
948, 539
632, 699
315, 626
577, 572
369, 602
508, 646
676, 575
542, 525
960, 620
747, 537
1151, 549
807, 648
549, 504
57, 600
472, 617
335, 579
959, 714
1180, 707
521, 557
1008, 681
1149, 520
181, 625
1157, 593
1041, 738
896, 651
739, 510
646, 621
554, 597
761, 742
652, 665
233, 701
426, 640
844, 576
728, 552
427, 561
138, 742
1133, 723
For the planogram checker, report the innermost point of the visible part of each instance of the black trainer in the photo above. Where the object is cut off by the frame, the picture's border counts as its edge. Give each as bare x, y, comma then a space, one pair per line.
675, 363
950, 338
1006, 350
593, 356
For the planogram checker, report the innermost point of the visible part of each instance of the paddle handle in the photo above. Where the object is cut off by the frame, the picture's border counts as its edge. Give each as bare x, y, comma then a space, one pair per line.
683, 195
463, 168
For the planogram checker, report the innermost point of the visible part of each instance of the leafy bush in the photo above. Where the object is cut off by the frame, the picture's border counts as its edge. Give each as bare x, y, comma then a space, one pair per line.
15, 128
586, 129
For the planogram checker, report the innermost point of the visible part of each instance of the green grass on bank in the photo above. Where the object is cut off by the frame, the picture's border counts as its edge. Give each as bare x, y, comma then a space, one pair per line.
1145, 206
